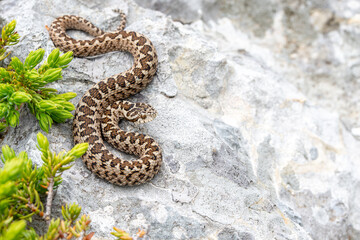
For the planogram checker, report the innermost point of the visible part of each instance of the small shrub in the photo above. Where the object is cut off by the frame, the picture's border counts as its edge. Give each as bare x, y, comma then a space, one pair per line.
24, 83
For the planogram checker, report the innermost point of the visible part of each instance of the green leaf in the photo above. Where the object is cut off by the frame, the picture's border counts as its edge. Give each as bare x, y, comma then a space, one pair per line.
67, 160
52, 232
17, 65
3, 126
32, 107
52, 75
3, 33
45, 121
13, 118
7, 153
7, 189
15, 230
67, 96
43, 142
121, 234
20, 97
65, 59
13, 39
11, 170
3, 110
79, 150
53, 58
34, 58
6, 90
30, 235
70, 212
8, 38
48, 90
4, 75
32, 75
23, 155
60, 115
10, 27
46, 105
68, 106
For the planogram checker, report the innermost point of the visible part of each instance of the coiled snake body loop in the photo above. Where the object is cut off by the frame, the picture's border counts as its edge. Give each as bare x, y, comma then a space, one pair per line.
101, 107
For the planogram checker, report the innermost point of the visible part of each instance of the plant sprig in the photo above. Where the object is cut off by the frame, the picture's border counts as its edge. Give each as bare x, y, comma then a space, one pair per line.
8, 38
24, 83
22, 185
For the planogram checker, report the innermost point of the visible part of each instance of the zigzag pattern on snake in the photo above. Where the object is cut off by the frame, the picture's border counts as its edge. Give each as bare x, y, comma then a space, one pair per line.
101, 107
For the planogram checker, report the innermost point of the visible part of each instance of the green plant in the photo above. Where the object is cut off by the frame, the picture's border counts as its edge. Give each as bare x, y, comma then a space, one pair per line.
21, 188
8, 37
24, 83
22, 185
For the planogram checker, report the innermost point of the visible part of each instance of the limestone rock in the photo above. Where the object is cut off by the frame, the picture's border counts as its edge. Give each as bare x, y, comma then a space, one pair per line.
258, 110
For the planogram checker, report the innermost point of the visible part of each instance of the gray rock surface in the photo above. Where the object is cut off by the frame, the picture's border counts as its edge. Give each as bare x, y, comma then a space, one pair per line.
258, 117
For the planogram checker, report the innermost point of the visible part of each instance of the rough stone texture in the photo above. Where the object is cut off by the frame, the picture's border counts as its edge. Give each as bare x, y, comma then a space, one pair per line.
258, 117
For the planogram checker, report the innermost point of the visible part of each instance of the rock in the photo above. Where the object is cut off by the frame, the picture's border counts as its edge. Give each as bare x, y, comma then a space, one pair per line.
258, 115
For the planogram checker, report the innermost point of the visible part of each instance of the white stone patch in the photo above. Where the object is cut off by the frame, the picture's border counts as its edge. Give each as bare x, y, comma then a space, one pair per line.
103, 219
139, 221
320, 215
179, 232
159, 213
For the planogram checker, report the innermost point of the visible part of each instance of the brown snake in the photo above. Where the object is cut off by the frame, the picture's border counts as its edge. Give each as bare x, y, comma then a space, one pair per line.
101, 107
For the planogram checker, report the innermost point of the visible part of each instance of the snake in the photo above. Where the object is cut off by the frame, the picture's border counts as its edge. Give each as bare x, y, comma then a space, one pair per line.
104, 105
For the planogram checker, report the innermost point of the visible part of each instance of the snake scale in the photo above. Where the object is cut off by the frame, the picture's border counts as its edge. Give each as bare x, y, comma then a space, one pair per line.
103, 106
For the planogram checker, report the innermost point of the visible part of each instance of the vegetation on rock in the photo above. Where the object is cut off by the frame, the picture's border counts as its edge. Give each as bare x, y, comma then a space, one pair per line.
22, 185
24, 83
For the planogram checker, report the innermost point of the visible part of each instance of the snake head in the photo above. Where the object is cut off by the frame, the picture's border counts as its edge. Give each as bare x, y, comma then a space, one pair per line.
140, 113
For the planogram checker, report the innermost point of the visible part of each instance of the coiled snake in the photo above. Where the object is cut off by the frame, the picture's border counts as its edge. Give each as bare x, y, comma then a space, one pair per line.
101, 107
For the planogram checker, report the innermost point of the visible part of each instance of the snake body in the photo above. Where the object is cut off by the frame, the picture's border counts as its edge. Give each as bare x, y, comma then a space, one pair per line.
99, 110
